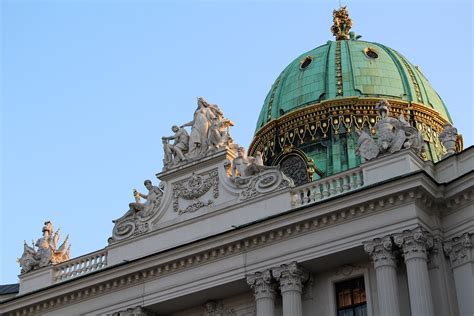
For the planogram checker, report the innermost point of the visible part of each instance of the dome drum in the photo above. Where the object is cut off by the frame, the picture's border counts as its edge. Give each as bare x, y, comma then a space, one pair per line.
325, 133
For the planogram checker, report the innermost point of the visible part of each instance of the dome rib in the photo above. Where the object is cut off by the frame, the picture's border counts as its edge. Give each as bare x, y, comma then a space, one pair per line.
349, 54
401, 72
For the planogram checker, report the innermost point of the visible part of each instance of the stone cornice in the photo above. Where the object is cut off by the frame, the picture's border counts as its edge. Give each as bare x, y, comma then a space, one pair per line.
148, 269
459, 249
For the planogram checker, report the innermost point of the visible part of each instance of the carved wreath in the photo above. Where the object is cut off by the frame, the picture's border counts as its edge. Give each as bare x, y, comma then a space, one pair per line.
193, 188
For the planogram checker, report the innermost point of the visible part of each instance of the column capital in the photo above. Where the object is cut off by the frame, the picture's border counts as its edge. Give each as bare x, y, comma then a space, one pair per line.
415, 243
133, 311
262, 284
459, 250
290, 276
381, 251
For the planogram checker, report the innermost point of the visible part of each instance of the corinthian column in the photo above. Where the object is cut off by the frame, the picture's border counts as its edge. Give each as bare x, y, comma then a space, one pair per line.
415, 244
460, 253
291, 278
264, 292
385, 264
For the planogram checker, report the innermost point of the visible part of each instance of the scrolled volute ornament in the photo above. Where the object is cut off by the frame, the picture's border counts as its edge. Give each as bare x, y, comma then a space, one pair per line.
381, 251
459, 249
291, 277
262, 284
415, 243
253, 178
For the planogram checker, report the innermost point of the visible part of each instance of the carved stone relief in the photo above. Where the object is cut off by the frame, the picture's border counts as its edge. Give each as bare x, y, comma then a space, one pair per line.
271, 180
459, 249
217, 308
192, 189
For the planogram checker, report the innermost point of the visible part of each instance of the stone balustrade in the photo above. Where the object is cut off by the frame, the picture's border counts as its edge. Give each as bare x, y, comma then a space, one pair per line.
327, 187
80, 266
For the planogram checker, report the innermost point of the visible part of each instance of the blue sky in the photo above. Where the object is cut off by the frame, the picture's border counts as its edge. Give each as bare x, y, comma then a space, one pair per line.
88, 88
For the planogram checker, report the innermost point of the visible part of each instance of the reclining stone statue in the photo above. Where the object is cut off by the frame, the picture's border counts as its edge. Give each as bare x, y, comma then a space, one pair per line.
244, 168
153, 201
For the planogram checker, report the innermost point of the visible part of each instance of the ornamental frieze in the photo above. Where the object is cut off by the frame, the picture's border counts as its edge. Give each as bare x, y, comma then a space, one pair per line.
194, 188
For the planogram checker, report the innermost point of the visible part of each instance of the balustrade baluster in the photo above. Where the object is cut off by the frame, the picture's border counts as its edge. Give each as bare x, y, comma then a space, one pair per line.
345, 183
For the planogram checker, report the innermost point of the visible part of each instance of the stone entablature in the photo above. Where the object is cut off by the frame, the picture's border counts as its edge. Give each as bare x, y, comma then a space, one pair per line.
255, 242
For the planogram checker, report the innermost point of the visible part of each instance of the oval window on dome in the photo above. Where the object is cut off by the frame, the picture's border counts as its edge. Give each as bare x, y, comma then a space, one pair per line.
371, 53
306, 62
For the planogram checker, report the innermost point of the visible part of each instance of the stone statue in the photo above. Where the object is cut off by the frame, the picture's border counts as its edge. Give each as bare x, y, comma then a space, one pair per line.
174, 153
244, 167
252, 178
366, 147
448, 137
392, 135
210, 131
219, 133
153, 201
45, 251
198, 140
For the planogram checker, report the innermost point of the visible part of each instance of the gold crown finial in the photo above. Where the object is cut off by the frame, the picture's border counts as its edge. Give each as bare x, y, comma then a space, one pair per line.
342, 23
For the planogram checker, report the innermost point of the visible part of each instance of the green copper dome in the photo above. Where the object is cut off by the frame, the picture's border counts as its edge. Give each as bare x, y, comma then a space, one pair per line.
310, 119
348, 68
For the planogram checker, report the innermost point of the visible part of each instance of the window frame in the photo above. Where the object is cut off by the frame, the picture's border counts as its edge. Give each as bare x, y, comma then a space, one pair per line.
340, 275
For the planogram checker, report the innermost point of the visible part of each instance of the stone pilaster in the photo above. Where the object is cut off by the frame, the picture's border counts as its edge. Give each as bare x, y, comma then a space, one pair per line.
264, 291
291, 278
381, 253
459, 250
415, 244
460, 253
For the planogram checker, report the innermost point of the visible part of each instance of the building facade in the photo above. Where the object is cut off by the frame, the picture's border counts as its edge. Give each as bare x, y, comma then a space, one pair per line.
318, 220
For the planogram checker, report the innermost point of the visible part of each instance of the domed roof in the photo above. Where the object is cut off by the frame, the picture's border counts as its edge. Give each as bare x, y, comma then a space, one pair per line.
348, 68
310, 118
